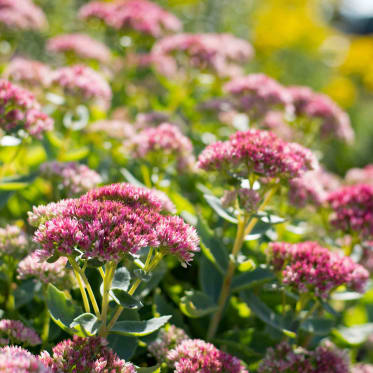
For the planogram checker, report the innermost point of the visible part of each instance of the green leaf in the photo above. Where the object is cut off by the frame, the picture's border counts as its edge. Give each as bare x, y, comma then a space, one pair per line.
215, 204
155, 369
125, 300
75, 155
196, 304
4, 197
268, 218
211, 279
125, 347
25, 292
163, 307
346, 295
156, 276
89, 323
94, 263
139, 328
247, 280
317, 326
142, 275
12, 186
264, 313
122, 279
61, 309
355, 335
53, 258
130, 178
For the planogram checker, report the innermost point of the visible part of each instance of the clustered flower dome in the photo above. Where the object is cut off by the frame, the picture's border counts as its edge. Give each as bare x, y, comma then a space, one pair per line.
140, 15
18, 360
109, 222
196, 355
352, 208
36, 267
14, 332
360, 175
274, 121
167, 339
308, 267
28, 72
82, 45
362, 368
22, 15
162, 145
257, 94
334, 121
260, 152
284, 358
13, 241
82, 81
70, 178
85, 355
117, 129
21, 113
220, 52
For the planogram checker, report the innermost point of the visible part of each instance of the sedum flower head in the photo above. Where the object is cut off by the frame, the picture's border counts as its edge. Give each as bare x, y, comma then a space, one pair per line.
362, 368
82, 45
85, 355
34, 266
286, 359
352, 208
13, 241
360, 175
20, 112
167, 340
117, 129
141, 15
70, 178
195, 355
308, 267
14, 332
260, 152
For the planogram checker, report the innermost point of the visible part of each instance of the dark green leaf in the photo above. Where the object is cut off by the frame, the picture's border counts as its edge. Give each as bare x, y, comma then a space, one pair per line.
139, 328
210, 278
252, 278
163, 307
53, 258
215, 204
142, 275
125, 300
25, 292
317, 326
89, 323
130, 178
196, 304
125, 347
122, 279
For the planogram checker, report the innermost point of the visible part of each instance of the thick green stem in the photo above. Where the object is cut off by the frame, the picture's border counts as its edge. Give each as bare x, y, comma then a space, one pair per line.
146, 175
81, 286
45, 330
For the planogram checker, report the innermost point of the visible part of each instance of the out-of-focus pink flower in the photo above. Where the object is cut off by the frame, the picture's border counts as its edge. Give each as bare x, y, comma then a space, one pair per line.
117, 129
13, 241
18, 360
284, 358
141, 15
80, 44
70, 178
257, 94
20, 111
248, 199
163, 144
353, 209
222, 53
85, 355
28, 72
14, 332
275, 122
362, 368
144, 120
334, 121
33, 266
360, 175
260, 152
195, 355
21, 14
83, 82
308, 267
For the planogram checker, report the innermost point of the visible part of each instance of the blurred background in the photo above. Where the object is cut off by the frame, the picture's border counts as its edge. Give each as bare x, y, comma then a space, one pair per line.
325, 44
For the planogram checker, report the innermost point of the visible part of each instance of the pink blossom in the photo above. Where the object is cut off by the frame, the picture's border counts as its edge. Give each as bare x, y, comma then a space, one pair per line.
85, 355
14, 332
256, 151
275, 122
308, 267
117, 129
82, 45
362, 368
20, 110
13, 241
151, 118
352, 208
360, 175
333, 120
21, 14
141, 15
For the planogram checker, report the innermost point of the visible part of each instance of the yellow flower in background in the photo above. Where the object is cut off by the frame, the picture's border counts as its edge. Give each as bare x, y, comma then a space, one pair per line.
342, 90
360, 55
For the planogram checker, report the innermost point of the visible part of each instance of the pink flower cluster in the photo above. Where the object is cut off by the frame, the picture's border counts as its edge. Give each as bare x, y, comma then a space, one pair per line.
221, 53
360, 175
308, 267
28, 72
20, 111
256, 151
33, 266
82, 81
256, 94
14, 332
362, 368
167, 340
162, 145
312, 188
13, 241
353, 209
21, 14
334, 121
195, 355
109, 222
275, 122
85, 355
140, 15
248, 199
285, 359
70, 178
82, 45
18, 360
117, 129
152, 118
